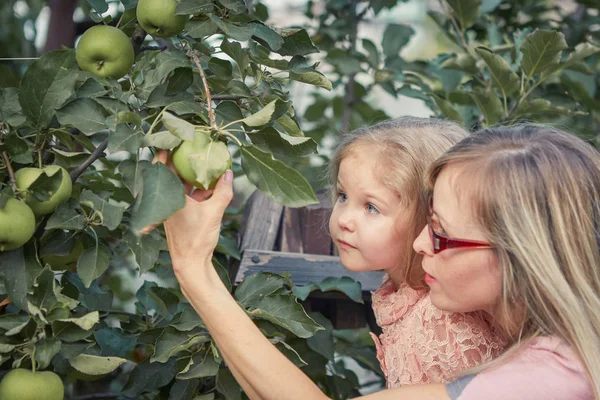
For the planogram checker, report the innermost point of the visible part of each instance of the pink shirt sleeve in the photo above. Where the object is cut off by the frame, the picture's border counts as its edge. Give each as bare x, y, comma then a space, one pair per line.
546, 369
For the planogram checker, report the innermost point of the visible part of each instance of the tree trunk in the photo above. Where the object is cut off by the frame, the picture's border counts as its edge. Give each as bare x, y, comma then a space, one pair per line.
61, 29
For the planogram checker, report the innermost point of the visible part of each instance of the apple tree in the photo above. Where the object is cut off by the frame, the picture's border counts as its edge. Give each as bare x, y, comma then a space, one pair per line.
85, 280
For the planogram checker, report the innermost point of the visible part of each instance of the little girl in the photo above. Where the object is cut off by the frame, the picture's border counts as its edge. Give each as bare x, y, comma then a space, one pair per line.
377, 173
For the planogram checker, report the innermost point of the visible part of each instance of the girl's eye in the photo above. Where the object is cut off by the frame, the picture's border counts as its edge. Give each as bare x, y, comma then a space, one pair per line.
371, 209
342, 198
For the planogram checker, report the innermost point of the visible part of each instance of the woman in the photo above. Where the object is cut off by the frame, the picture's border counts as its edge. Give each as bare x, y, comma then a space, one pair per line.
525, 203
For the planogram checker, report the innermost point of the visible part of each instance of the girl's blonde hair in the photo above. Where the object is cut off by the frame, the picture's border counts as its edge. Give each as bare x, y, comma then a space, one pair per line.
536, 192
404, 148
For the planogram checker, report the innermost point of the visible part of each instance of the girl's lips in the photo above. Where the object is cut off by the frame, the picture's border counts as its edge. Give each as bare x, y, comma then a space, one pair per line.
429, 279
345, 245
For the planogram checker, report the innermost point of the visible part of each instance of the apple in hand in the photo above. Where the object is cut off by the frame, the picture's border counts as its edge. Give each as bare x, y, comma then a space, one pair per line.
211, 158
23, 384
158, 18
17, 225
26, 176
64, 262
105, 51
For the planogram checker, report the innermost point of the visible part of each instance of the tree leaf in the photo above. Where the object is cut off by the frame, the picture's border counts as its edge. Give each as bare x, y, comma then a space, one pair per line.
228, 386
183, 389
506, 80
447, 109
161, 140
489, 104
114, 342
285, 311
187, 319
96, 365
297, 43
270, 140
162, 193
257, 286
395, 38
66, 217
344, 284
239, 55
178, 127
43, 290
124, 138
266, 36
92, 263
262, 117
172, 341
47, 84
187, 7
18, 269
86, 322
541, 51
466, 11
84, 114
100, 6
322, 342
276, 179
149, 377
301, 71
45, 350
145, 248
111, 214
198, 29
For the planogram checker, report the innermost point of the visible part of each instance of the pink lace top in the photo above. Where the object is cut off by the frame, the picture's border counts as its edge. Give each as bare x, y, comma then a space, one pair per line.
421, 344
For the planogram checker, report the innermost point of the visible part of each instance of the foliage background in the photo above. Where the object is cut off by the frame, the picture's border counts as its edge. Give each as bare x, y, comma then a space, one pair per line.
481, 62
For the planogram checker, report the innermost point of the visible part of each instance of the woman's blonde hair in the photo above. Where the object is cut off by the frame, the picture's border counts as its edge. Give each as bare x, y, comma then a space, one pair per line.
404, 148
536, 192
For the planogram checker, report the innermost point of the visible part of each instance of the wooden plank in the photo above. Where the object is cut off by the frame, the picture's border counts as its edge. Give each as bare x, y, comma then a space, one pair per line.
260, 224
315, 226
291, 231
303, 268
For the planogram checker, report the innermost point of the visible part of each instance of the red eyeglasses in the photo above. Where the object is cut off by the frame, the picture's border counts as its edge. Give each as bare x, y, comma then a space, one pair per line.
441, 242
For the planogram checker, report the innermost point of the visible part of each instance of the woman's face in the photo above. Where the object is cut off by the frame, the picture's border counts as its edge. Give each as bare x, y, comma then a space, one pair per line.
460, 279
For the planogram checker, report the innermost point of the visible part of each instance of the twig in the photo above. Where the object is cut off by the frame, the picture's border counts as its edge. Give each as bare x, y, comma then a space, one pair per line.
11, 173
228, 97
5, 302
194, 56
458, 30
96, 154
147, 48
96, 396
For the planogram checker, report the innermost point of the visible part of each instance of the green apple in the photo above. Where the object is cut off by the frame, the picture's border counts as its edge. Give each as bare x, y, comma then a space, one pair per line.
26, 176
66, 261
105, 51
158, 18
211, 158
17, 225
23, 384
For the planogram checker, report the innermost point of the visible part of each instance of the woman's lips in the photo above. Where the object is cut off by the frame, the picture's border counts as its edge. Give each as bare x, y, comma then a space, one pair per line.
429, 279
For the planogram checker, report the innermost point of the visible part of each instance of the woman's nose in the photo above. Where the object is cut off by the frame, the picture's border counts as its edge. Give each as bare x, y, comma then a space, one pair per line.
422, 243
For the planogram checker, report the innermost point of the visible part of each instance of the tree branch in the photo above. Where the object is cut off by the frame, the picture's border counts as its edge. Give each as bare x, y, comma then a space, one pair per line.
228, 97
211, 115
96, 154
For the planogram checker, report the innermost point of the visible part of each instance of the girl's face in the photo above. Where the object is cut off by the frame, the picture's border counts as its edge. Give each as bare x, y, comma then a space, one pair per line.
460, 279
368, 224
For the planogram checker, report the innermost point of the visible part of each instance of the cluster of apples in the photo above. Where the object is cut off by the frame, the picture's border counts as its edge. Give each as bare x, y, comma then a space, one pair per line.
17, 218
107, 52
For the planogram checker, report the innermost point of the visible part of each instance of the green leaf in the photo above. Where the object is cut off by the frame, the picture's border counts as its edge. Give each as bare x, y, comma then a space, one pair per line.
466, 11
66, 217
162, 193
100, 6
18, 271
45, 350
96, 365
506, 80
542, 50
239, 55
183, 389
373, 57
178, 127
447, 109
114, 342
266, 36
270, 140
394, 38
199, 29
145, 248
237, 6
45, 185
322, 341
84, 114
162, 140
180, 80
86, 322
149, 377
462, 62
221, 68
228, 386
256, 286
172, 341
124, 138
47, 84
344, 284
43, 290
92, 263
302, 72
490, 105
274, 178
262, 117
111, 214
191, 7
297, 43
285, 311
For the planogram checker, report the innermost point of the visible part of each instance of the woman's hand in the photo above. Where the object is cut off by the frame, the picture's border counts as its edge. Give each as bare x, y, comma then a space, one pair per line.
193, 231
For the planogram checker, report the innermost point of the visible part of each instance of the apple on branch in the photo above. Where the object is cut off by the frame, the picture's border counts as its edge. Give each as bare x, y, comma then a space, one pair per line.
23, 384
17, 225
158, 18
105, 51
26, 176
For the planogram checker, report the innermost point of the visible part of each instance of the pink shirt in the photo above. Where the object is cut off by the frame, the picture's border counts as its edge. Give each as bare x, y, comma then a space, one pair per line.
422, 344
546, 369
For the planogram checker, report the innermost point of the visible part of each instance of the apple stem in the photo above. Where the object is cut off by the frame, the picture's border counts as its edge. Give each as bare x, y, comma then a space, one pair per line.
33, 360
11, 173
194, 56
